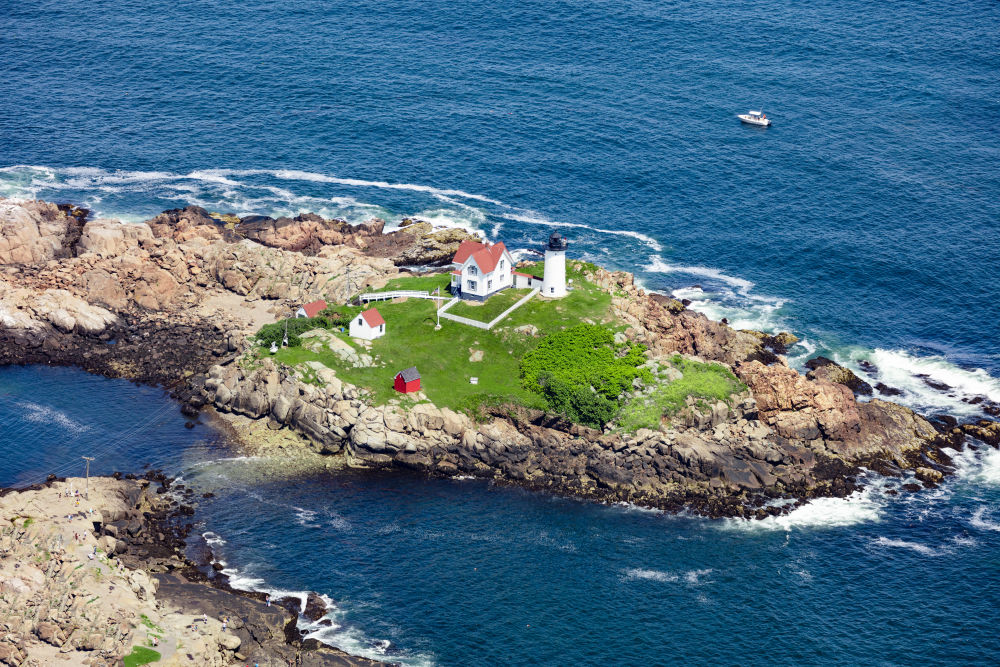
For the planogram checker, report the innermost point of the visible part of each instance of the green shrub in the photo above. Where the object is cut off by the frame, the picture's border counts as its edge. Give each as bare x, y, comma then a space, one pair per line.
276, 332
339, 316
701, 380
582, 373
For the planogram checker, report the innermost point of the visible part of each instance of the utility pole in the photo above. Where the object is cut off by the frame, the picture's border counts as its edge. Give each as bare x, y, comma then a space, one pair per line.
88, 459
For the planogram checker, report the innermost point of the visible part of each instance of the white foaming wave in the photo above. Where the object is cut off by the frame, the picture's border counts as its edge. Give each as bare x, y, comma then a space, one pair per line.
917, 547
306, 518
212, 539
532, 218
901, 369
653, 575
657, 265
355, 642
691, 577
862, 506
296, 175
980, 521
43, 414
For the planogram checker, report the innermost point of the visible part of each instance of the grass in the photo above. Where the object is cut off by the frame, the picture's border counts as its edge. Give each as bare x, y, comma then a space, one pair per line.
702, 380
427, 283
442, 356
489, 309
140, 655
149, 623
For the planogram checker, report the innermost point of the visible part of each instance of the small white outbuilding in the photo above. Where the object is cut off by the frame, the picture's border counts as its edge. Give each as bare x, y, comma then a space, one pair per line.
368, 325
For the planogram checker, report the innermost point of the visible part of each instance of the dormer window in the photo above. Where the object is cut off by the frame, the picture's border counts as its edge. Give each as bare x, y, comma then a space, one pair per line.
473, 270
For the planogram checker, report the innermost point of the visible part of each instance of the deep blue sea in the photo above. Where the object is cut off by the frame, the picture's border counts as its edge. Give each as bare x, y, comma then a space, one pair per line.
866, 220
460, 572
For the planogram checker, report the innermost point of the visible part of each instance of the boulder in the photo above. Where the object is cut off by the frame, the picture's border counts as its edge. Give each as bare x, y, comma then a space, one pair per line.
822, 368
31, 232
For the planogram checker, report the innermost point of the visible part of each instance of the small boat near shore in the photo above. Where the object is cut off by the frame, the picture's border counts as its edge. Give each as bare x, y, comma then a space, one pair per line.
755, 118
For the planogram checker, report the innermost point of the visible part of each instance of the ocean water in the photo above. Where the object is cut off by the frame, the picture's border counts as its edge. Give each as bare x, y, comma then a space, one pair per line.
460, 572
865, 220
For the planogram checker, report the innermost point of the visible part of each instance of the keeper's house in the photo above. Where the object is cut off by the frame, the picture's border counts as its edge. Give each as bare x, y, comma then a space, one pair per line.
481, 270
369, 325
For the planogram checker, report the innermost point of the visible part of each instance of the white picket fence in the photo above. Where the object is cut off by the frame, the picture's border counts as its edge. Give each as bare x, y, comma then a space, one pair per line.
396, 294
484, 325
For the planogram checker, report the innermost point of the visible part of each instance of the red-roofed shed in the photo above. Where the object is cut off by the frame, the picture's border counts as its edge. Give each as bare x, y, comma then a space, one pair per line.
311, 309
407, 380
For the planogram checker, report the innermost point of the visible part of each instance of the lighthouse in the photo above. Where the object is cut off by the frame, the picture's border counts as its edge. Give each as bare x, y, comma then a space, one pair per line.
554, 280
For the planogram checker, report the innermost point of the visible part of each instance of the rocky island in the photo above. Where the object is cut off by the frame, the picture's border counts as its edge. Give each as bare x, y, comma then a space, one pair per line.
612, 393
181, 301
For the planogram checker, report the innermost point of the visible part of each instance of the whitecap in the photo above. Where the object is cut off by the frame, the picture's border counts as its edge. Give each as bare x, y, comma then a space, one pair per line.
862, 506
911, 373
658, 265
917, 547
43, 414
980, 521
533, 218
652, 575
690, 577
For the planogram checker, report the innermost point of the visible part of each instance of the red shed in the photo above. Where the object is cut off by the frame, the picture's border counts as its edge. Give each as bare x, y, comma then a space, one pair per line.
407, 380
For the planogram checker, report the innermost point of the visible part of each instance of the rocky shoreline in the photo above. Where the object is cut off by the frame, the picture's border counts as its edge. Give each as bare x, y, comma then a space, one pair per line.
124, 546
173, 301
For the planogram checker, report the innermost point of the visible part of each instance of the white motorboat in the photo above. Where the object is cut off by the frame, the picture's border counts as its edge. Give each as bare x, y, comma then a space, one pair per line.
755, 118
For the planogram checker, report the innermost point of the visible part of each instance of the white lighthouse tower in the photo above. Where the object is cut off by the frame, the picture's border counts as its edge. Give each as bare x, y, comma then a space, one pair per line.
554, 280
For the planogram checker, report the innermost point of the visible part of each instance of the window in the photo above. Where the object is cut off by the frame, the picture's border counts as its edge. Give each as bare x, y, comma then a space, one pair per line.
472, 285
359, 320
501, 263
381, 328
552, 290
489, 285
473, 270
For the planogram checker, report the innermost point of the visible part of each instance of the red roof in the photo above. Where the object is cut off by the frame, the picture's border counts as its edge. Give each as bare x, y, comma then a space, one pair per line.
456, 273
526, 275
313, 308
486, 256
465, 249
373, 317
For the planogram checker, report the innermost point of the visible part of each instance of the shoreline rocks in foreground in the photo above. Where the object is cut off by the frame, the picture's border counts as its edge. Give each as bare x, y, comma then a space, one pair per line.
173, 301
88, 580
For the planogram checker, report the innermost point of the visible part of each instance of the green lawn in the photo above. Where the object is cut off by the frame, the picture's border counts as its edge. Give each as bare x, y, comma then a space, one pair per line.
489, 309
428, 283
442, 357
140, 655
702, 380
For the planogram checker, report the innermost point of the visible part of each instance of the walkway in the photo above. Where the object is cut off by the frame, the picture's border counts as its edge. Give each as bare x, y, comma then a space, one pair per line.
484, 325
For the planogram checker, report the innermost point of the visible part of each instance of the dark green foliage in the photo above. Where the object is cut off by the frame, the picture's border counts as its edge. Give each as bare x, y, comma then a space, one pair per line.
339, 316
580, 404
582, 373
296, 325
483, 406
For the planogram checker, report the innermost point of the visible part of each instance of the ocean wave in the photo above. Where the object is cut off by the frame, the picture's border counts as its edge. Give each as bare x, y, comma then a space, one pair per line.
917, 547
690, 577
44, 414
863, 506
532, 218
979, 520
658, 265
